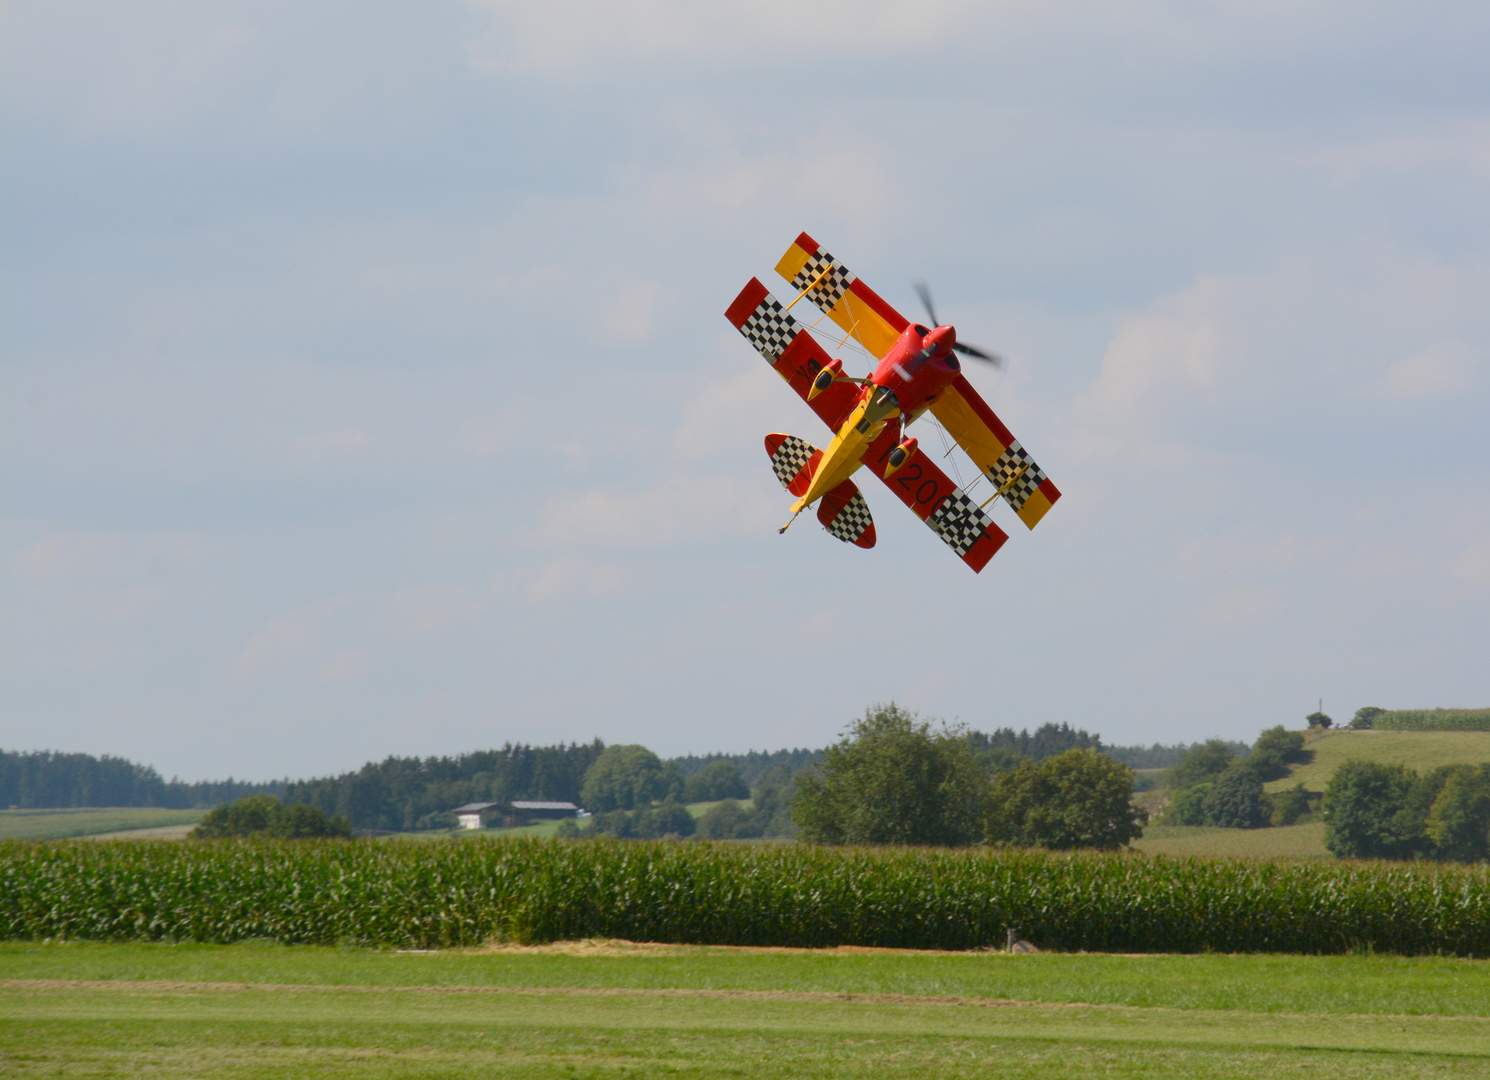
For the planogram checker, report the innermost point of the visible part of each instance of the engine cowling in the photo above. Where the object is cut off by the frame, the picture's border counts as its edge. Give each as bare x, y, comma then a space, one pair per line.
899, 456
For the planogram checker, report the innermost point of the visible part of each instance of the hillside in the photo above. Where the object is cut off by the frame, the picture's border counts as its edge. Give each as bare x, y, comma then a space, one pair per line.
1419, 750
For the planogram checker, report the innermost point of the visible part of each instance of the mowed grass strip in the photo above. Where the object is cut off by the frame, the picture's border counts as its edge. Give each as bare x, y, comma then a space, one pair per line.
308, 1030
1284, 841
1379, 985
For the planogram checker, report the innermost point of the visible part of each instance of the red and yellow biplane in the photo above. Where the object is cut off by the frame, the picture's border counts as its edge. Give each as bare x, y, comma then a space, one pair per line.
918, 370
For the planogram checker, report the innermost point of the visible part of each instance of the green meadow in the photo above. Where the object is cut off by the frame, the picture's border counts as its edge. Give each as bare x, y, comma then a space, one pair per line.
1421, 751
603, 1009
96, 821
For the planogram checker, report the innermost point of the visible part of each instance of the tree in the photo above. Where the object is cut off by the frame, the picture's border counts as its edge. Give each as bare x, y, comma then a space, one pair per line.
1365, 718
1319, 720
1458, 822
1202, 762
623, 778
1236, 800
1274, 751
1367, 813
264, 815
891, 780
715, 781
1080, 798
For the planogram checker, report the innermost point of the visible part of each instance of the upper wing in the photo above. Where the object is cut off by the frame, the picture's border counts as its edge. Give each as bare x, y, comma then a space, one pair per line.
939, 502
794, 355
996, 452
850, 303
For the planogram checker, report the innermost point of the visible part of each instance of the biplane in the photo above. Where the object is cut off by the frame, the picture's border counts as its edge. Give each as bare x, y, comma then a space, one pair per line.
917, 371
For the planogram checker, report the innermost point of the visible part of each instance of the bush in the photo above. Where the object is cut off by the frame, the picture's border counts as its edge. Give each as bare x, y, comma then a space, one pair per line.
891, 780
1187, 806
1080, 798
669, 819
1236, 800
1365, 718
721, 821
649, 823
715, 781
1289, 806
1201, 763
1319, 720
622, 778
1274, 751
265, 816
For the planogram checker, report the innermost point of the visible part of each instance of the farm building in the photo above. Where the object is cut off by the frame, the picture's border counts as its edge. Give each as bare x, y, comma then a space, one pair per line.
514, 813
469, 816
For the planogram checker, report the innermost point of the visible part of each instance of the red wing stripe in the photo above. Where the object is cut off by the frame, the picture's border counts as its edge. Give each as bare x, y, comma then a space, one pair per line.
877, 305
936, 500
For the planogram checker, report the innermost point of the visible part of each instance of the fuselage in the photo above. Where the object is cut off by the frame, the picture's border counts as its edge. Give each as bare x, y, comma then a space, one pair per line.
917, 368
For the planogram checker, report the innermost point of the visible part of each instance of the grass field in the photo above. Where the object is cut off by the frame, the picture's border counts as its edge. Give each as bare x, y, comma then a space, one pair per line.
1420, 750
1285, 841
93, 821
611, 1009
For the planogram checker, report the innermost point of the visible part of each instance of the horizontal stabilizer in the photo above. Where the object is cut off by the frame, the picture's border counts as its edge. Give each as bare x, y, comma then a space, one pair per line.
845, 514
793, 460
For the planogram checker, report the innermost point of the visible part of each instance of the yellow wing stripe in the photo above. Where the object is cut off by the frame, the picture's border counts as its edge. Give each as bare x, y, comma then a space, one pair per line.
835, 293
969, 429
1034, 508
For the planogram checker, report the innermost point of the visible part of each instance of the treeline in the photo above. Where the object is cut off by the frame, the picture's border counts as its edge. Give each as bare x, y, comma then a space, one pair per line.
1160, 756
400, 794
45, 779
752, 765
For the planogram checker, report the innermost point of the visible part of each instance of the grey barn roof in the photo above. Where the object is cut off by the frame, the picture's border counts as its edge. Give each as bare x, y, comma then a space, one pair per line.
516, 804
523, 805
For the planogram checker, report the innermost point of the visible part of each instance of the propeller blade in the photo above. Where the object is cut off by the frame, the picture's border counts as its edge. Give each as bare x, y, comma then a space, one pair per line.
978, 354
925, 294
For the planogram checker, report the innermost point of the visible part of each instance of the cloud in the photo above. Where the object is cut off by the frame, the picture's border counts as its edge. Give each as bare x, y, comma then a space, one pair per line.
285, 640
331, 443
346, 665
1439, 371
567, 576
566, 36
62, 555
674, 508
1473, 563
630, 314
432, 608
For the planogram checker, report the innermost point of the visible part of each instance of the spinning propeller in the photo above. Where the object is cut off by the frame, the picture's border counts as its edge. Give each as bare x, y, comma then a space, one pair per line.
967, 350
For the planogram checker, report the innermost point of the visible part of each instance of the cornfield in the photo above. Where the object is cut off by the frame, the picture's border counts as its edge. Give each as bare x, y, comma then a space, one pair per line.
451, 894
1434, 720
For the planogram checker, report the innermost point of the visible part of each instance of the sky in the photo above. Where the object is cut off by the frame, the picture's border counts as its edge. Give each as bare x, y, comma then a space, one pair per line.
365, 387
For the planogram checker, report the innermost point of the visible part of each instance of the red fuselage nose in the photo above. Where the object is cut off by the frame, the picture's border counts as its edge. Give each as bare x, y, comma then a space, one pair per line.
918, 366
